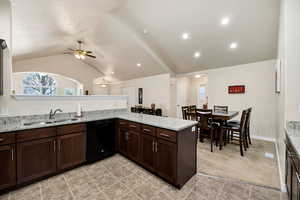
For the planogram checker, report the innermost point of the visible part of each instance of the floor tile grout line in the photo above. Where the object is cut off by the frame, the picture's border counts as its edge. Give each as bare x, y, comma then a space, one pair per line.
238, 181
41, 192
69, 187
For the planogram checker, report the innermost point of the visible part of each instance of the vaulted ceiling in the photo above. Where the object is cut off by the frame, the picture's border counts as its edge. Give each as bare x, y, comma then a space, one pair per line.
127, 32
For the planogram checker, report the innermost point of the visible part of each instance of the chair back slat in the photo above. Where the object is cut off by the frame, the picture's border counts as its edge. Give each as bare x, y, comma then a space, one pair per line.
203, 117
184, 110
221, 109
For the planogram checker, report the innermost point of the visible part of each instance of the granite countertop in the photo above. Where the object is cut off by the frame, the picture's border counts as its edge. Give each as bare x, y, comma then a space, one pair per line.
293, 132
11, 124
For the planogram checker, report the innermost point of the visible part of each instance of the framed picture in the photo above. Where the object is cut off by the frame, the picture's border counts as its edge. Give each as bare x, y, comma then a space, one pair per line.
278, 76
140, 95
236, 89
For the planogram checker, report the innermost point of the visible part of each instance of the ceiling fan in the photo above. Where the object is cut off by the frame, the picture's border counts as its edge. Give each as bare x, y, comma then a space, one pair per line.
80, 53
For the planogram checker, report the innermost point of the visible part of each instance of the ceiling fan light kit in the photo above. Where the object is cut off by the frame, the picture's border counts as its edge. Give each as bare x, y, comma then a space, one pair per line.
80, 53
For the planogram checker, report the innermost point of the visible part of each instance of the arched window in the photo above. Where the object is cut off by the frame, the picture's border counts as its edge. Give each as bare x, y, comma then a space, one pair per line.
37, 83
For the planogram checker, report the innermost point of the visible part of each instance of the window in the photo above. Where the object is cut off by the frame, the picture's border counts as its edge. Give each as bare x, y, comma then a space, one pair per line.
39, 84
202, 95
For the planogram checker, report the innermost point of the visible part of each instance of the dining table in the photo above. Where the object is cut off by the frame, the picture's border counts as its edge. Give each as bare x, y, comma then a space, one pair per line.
219, 115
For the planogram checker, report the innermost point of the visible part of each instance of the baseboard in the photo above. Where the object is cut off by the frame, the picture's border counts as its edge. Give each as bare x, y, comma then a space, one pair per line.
282, 182
263, 138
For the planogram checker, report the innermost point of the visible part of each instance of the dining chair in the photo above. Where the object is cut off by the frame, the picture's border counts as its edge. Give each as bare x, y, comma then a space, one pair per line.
184, 110
192, 108
205, 126
247, 132
238, 132
221, 109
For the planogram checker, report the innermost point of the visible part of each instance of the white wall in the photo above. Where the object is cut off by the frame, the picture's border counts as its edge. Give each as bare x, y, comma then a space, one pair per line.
288, 53
65, 65
11, 106
156, 89
259, 79
292, 58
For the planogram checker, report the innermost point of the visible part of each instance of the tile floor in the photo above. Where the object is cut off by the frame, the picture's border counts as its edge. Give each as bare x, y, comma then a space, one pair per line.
117, 178
255, 167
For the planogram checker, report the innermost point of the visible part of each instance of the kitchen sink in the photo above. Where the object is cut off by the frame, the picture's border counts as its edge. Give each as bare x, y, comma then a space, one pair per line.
50, 122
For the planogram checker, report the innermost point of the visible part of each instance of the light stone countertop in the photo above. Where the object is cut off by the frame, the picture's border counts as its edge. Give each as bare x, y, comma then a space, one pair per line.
293, 132
11, 124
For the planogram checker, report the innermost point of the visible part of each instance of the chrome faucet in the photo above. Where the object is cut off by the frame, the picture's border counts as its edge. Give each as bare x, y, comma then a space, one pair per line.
52, 114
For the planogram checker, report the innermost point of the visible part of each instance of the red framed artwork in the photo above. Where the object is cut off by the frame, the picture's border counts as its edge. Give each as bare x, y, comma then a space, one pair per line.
236, 89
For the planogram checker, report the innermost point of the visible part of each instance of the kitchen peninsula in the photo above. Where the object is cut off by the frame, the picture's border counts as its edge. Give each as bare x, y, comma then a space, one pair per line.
32, 147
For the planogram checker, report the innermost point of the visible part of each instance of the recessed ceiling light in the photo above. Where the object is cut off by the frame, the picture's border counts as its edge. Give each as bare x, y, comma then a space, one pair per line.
138, 64
112, 72
225, 21
197, 76
145, 31
197, 54
185, 36
233, 45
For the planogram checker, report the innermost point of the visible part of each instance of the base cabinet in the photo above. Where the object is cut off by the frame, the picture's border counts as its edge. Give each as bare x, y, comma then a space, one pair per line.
7, 166
166, 155
148, 151
71, 150
133, 145
292, 177
157, 150
36, 159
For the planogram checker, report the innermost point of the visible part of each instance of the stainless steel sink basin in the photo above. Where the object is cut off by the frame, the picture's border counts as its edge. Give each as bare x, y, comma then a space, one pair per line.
50, 122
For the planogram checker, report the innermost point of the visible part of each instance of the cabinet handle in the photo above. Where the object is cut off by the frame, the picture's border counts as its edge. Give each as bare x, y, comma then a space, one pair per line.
1, 139
122, 123
165, 135
127, 136
133, 126
12, 154
156, 148
54, 146
298, 178
147, 130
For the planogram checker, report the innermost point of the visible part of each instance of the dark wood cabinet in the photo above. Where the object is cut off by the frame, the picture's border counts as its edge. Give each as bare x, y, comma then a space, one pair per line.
123, 137
36, 159
148, 151
7, 166
133, 145
71, 150
169, 154
292, 172
166, 155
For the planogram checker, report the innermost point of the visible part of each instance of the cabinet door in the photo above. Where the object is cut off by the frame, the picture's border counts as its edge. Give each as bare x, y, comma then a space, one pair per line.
133, 145
166, 153
71, 150
7, 166
123, 137
36, 159
148, 151
295, 195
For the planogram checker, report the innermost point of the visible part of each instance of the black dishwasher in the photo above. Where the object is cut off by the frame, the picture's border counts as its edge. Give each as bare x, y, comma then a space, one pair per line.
100, 140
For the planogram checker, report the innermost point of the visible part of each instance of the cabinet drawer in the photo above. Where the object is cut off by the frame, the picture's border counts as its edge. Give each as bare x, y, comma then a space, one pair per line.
123, 123
166, 135
34, 134
72, 128
7, 138
150, 130
134, 126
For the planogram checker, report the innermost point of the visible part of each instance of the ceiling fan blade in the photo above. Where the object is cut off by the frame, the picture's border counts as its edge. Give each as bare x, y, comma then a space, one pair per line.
71, 49
69, 53
90, 56
89, 52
